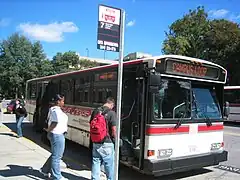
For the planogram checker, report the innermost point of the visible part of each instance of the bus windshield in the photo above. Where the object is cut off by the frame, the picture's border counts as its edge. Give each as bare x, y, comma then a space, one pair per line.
205, 104
174, 101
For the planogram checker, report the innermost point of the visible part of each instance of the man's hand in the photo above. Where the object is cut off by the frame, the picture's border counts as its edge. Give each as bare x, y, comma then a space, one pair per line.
114, 131
46, 129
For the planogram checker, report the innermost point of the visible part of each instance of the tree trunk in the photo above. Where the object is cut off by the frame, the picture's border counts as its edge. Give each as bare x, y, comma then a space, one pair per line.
16, 93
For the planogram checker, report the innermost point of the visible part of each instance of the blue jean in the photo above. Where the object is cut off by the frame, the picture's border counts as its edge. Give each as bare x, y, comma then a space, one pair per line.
19, 126
103, 153
53, 162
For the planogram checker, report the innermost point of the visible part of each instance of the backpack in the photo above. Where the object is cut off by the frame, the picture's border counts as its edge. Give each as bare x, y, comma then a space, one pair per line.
98, 127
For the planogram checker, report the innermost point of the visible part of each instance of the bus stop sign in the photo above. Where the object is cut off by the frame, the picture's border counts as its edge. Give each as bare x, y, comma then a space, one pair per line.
108, 35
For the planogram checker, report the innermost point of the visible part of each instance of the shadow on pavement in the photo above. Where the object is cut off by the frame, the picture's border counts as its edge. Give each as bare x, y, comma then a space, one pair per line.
8, 134
16, 170
183, 175
78, 158
75, 156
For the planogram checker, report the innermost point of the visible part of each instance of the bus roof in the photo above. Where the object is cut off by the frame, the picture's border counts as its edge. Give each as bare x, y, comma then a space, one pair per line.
231, 87
137, 61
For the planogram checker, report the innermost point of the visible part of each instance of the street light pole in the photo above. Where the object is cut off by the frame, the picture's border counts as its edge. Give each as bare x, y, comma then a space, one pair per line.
87, 52
104, 54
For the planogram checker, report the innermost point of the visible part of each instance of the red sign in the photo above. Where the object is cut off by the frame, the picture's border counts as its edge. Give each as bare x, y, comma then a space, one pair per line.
109, 15
189, 69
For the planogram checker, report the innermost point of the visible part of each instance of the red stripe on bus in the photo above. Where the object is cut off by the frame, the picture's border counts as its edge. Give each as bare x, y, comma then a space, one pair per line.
210, 128
166, 130
234, 105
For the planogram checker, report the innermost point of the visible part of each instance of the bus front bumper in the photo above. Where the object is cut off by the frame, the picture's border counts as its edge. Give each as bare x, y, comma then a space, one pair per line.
165, 167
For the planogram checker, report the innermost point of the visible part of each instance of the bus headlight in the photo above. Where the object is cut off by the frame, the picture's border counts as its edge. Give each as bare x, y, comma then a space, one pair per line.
216, 146
165, 152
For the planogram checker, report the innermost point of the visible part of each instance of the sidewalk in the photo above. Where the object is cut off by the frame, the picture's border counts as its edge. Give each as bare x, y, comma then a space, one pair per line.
20, 159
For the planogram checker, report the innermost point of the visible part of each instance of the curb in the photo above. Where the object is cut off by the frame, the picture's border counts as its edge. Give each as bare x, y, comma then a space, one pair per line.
4, 127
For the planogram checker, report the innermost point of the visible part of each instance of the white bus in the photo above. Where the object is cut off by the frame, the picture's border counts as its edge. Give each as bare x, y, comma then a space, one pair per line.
232, 96
172, 115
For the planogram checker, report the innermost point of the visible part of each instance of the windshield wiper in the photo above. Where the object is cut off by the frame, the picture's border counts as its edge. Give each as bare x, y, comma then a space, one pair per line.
207, 120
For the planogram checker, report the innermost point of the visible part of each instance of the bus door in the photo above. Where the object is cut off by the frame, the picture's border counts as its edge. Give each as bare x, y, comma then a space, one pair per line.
132, 118
37, 110
138, 126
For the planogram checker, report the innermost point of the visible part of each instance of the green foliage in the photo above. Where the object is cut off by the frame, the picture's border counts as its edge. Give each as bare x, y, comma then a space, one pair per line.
69, 61
85, 63
186, 35
20, 60
197, 36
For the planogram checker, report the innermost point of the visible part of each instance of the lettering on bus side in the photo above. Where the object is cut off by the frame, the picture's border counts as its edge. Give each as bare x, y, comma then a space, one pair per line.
77, 111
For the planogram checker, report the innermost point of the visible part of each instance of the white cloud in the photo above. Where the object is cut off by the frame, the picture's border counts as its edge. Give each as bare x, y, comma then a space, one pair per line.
221, 13
234, 17
53, 32
131, 23
4, 22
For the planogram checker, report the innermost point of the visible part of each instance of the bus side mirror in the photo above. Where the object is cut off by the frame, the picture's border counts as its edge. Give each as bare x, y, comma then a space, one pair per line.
226, 109
154, 83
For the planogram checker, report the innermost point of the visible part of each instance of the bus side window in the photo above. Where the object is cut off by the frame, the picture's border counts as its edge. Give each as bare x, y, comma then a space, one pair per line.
108, 92
94, 96
33, 91
67, 90
100, 95
86, 96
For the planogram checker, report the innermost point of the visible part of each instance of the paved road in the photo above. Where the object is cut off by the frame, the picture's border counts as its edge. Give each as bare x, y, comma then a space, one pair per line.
76, 154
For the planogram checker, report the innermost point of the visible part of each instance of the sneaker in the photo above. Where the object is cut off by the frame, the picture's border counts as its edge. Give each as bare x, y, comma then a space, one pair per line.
48, 175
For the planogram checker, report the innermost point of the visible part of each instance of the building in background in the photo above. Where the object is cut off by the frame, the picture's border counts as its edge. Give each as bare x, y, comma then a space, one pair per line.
136, 55
98, 60
102, 62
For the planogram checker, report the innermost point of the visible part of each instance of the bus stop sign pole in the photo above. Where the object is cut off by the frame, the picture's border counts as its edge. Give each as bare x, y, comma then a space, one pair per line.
110, 37
119, 95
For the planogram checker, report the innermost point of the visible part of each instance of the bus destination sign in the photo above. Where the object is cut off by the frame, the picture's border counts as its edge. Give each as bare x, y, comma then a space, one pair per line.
179, 67
108, 35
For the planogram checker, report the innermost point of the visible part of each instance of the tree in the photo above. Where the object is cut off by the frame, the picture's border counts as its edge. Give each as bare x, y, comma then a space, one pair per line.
186, 36
21, 60
43, 66
63, 62
70, 61
195, 35
85, 63
15, 51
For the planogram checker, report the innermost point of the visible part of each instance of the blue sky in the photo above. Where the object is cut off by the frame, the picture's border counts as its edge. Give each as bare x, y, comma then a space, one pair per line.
63, 25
